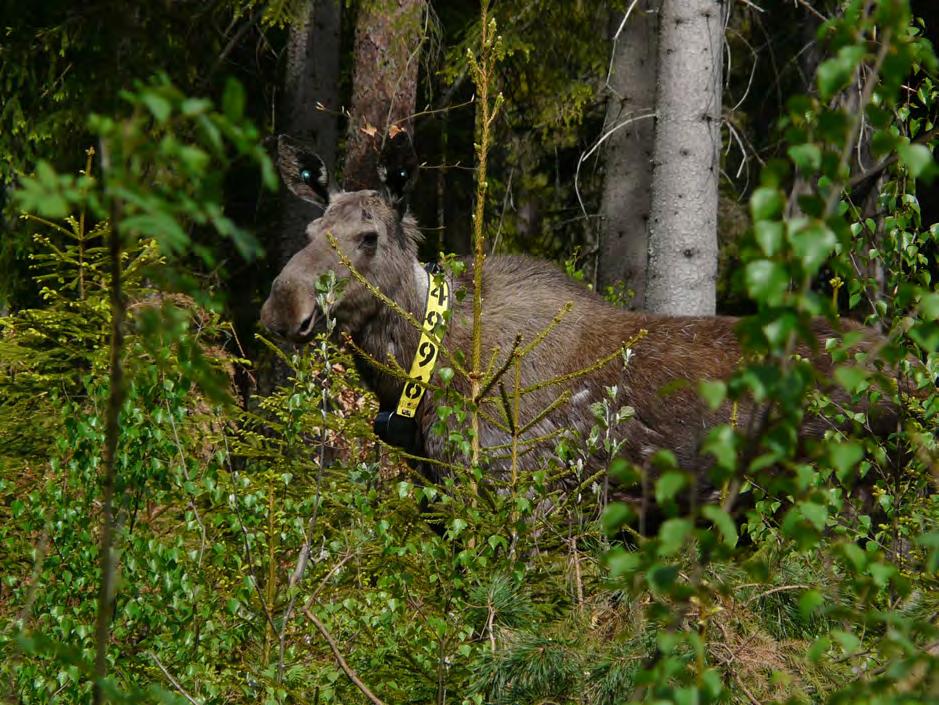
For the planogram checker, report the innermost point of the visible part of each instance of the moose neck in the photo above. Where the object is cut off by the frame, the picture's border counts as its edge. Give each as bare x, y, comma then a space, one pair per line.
389, 334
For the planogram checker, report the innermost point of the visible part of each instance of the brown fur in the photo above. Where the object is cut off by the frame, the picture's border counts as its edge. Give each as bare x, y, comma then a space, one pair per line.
521, 295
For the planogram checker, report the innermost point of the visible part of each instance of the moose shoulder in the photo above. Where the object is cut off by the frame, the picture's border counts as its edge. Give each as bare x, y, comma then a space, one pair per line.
521, 297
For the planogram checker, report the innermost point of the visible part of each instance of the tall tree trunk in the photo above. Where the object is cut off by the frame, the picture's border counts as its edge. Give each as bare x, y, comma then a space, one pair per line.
311, 77
388, 37
627, 184
686, 163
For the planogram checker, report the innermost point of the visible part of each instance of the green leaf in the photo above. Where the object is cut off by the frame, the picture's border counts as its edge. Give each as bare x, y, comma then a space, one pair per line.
457, 525
813, 244
195, 106
767, 281
816, 513
778, 330
834, 74
159, 107
930, 541
233, 100
845, 455
916, 157
661, 577
31, 197
196, 160
211, 133
926, 335
495, 540
713, 391
615, 516
664, 459
769, 235
622, 563
723, 521
881, 573
712, 684
766, 203
810, 601
808, 157
162, 227
818, 649
852, 379
668, 485
672, 535
929, 306
721, 442
45, 193
855, 556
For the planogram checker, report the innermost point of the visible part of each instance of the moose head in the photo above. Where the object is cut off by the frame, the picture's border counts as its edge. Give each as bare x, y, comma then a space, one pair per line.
368, 227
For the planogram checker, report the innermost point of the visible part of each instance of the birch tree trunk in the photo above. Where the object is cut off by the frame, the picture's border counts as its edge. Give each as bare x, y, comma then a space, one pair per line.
311, 77
388, 38
686, 163
627, 185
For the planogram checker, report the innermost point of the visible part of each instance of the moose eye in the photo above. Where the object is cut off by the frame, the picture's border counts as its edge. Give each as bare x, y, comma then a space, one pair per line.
368, 240
306, 176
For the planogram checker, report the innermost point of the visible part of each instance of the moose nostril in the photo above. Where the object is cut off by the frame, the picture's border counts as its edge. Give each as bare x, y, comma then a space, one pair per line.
306, 325
274, 327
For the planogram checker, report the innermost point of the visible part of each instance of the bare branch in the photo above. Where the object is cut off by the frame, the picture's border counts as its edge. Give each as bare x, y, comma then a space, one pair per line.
781, 588
603, 138
619, 31
352, 675
811, 10
169, 677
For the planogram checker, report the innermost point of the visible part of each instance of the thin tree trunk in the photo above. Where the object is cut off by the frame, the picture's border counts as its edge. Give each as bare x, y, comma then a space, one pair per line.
683, 236
627, 185
311, 77
388, 37
107, 555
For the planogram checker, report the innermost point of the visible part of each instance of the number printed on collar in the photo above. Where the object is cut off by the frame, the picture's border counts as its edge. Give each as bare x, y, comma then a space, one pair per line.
425, 357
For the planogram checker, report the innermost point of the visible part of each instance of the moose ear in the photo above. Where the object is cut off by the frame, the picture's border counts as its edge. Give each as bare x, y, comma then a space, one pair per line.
398, 166
303, 172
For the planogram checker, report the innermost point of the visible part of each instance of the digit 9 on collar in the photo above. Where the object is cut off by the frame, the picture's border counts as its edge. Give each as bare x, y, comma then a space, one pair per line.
425, 358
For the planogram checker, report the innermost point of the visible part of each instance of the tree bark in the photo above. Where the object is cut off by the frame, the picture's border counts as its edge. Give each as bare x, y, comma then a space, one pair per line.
686, 163
388, 37
311, 77
627, 184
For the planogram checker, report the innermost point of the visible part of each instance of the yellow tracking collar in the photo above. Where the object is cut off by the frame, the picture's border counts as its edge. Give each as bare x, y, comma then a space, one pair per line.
425, 357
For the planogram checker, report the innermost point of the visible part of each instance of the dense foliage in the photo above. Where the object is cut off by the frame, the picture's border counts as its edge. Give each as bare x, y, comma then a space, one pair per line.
249, 543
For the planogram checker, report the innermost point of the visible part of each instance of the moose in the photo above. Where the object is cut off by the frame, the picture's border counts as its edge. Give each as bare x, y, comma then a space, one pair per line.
370, 232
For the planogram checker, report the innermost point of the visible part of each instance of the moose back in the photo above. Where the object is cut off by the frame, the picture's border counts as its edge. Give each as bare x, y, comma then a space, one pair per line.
522, 297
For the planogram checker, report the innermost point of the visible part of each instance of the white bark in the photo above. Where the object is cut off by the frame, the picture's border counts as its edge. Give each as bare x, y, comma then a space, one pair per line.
686, 163
627, 186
